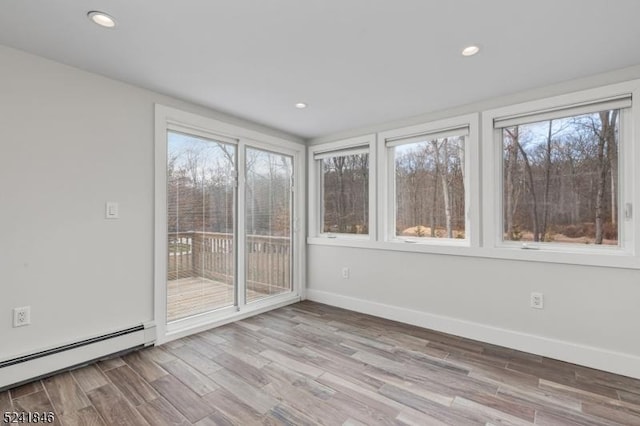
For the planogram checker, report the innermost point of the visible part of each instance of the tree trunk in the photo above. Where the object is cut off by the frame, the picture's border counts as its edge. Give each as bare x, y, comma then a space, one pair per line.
602, 177
435, 189
413, 188
547, 182
612, 154
605, 140
365, 207
445, 186
532, 191
459, 199
512, 161
341, 201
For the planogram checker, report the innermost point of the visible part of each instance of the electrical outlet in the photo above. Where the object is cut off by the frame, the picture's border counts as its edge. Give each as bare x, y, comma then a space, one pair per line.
21, 316
537, 300
345, 273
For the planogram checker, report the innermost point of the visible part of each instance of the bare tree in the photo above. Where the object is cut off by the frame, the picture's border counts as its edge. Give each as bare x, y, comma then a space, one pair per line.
514, 134
547, 182
341, 198
436, 175
359, 165
612, 157
512, 189
445, 183
606, 138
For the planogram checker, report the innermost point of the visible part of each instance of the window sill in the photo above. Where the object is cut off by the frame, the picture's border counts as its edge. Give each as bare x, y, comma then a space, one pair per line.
604, 258
457, 248
430, 242
338, 236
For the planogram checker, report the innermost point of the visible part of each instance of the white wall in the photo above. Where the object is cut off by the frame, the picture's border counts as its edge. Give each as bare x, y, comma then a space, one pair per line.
69, 141
584, 306
591, 314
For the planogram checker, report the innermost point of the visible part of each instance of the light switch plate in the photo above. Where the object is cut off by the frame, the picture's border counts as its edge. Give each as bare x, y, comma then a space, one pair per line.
112, 210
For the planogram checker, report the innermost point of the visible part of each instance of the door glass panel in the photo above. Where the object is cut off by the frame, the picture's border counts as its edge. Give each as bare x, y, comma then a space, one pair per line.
200, 215
268, 223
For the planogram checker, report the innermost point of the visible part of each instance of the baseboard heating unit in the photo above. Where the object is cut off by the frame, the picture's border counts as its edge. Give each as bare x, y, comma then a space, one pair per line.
43, 363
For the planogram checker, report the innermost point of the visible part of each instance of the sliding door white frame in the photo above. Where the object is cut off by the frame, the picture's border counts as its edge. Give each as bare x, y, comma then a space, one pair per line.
166, 117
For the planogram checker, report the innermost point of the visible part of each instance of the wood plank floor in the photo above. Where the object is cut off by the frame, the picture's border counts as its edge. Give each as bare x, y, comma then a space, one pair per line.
309, 364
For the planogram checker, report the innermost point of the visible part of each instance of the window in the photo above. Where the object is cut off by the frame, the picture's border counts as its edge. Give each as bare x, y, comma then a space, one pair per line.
429, 187
345, 191
428, 182
560, 179
343, 172
562, 174
556, 182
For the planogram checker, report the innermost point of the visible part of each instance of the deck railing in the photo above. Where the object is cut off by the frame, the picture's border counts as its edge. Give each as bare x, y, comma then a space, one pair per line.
211, 255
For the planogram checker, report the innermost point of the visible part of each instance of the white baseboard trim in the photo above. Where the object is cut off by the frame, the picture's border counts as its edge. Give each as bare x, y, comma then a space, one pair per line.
588, 356
40, 364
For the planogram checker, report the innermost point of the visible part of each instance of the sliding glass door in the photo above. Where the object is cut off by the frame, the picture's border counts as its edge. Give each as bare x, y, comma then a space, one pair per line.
268, 223
229, 212
201, 200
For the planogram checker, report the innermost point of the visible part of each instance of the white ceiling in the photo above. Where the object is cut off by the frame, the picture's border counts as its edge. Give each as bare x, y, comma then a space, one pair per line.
355, 62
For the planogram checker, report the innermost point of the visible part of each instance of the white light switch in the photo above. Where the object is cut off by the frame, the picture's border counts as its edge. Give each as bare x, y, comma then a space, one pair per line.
112, 210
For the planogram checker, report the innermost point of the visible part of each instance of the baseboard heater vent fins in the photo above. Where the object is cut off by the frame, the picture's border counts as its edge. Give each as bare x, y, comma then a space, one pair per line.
69, 346
43, 363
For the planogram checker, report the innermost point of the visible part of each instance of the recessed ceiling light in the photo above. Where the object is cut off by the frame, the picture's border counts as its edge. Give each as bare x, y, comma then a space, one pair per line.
102, 19
470, 50
301, 105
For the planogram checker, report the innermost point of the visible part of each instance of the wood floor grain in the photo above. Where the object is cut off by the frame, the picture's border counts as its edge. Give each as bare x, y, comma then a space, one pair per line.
65, 394
311, 364
113, 407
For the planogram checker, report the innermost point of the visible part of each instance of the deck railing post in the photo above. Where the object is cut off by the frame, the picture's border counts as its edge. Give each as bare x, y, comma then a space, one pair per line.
196, 256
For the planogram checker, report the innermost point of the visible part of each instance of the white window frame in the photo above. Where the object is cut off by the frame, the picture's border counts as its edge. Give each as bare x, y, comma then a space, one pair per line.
167, 118
315, 179
387, 202
629, 161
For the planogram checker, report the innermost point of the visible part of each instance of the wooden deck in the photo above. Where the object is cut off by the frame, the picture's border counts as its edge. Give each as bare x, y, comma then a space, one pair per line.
195, 295
192, 296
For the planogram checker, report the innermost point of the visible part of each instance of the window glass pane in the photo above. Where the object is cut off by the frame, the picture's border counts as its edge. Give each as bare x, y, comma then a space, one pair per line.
560, 180
430, 189
345, 194
269, 205
200, 214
